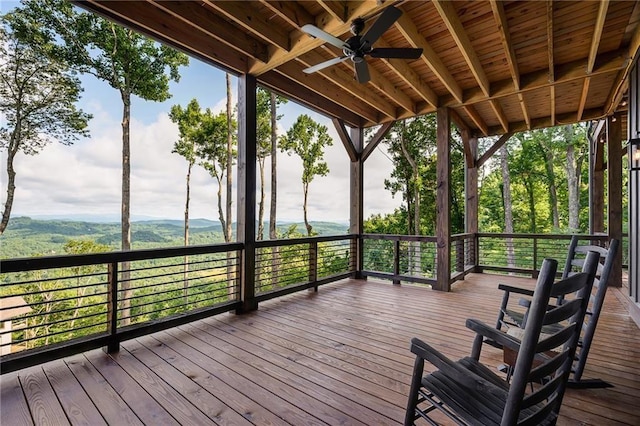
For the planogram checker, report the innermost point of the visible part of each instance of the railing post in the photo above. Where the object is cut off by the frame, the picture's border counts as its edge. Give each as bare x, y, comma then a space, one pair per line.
396, 260
313, 264
112, 308
460, 255
535, 258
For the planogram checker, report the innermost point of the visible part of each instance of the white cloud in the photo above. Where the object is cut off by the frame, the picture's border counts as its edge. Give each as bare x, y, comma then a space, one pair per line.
85, 178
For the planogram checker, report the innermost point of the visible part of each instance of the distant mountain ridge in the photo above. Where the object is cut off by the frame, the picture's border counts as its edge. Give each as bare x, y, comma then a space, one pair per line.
27, 237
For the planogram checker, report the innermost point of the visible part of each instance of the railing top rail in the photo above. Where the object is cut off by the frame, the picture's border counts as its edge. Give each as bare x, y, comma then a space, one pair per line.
602, 237
304, 240
65, 261
398, 237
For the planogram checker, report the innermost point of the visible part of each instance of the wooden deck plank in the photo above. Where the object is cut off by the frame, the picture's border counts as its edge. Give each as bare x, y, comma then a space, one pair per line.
339, 356
74, 401
229, 395
211, 406
231, 371
44, 406
14, 409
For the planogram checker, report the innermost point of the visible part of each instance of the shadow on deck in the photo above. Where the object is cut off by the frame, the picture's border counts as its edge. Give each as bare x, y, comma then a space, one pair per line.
339, 356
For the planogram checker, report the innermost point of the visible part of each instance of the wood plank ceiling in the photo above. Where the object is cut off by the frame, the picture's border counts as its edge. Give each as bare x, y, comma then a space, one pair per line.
501, 66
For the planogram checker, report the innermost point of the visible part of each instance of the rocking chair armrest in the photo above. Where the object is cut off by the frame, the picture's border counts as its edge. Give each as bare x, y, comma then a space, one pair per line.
429, 353
512, 289
491, 333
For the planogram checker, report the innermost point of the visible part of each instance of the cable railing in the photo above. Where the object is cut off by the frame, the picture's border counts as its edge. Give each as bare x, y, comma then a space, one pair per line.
68, 304
56, 306
285, 266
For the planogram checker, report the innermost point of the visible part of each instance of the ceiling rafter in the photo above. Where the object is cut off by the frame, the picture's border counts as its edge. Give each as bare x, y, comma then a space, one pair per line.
621, 82
301, 43
572, 71
409, 30
346, 81
525, 111
502, 118
537, 123
404, 71
593, 53
337, 9
552, 74
448, 13
475, 116
193, 14
501, 20
292, 12
201, 46
319, 84
247, 16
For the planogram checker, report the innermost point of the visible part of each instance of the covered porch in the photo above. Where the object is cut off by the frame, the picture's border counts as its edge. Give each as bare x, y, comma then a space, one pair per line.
338, 356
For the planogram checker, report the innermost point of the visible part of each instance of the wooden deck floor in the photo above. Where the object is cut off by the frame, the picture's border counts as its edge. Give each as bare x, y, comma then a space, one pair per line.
336, 357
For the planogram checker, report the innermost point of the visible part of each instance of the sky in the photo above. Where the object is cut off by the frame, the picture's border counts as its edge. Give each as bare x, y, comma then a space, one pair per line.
84, 179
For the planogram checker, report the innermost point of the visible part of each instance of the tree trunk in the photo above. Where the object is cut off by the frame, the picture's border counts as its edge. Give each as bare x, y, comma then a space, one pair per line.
186, 231
573, 185
528, 184
274, 174
229, 232
414, 251
125, 275
11, 182
547, 155
304, 208
273, 233
261, 162
508, 214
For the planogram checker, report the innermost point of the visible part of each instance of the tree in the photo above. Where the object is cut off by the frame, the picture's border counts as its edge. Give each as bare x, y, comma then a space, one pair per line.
129, 62
307, 139
213, 154
507, 205
37, 97
188, 121
266, 135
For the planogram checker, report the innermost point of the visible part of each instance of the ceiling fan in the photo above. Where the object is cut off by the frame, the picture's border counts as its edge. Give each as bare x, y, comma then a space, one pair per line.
358, 46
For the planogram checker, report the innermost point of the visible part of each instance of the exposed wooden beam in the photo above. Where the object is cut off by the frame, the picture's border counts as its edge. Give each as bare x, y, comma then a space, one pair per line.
343, 134
450, 17
337, 9
501, 20
597, 34
252, 21
201, 18
469, 156
612, 63
303, 95
346, 82
542, 122
473, 113
552, 109
552, 73
459, 121
376, 139
301, 43
583, 98
497, 109
404, 71
493, 148
154, 22
525, 111
409, 30
290, 11
622, 82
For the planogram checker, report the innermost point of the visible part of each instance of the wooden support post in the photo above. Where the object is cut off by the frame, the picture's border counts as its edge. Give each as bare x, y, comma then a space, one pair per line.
396, 260
614, 168
633, 153
356, 199
443, 202
596, 185
246, 190
471, 196
313, 264
112, 308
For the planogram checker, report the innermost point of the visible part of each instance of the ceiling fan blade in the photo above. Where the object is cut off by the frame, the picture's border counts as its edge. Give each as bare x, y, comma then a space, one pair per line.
362, 72
398, 53
382, 24
323, 35
325, 64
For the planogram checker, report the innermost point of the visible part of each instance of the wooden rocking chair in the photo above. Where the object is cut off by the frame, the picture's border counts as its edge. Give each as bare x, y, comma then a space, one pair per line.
575, 261
469, 392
